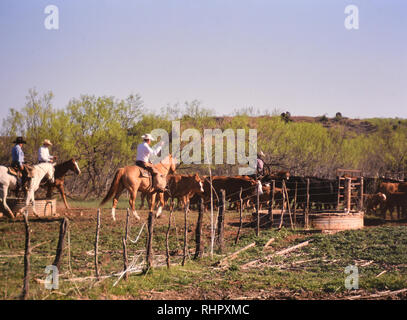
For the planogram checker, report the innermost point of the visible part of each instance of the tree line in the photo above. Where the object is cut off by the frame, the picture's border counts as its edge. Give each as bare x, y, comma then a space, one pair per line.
103, 132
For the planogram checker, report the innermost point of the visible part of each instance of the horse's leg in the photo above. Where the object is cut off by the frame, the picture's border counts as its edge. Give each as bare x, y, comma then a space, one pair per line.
31, 196
4, 199
160, 205
152, 204
62, 192
132, 202
116, 200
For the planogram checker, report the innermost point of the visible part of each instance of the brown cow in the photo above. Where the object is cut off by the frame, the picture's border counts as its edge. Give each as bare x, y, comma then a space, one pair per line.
183, 187
398, 201
388, 187
264, 199
232, 187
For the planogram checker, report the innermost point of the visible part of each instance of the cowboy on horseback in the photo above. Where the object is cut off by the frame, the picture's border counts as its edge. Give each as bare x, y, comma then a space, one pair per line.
43, 153
144, 152
17, 163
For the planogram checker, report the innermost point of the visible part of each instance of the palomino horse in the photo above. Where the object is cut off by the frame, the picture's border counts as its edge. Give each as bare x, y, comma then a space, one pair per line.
60, 172
133, 179
7, 181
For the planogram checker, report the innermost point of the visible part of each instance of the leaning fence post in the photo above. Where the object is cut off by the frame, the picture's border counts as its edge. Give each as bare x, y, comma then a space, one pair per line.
97, 244
124, 242
271, 216
167, 236
149, 245
361, 193
257, 211
306, 211
221, 220
60, 247
198, 231
27, 253
241, 215
295, 203
185, 233
288, 203
282, 209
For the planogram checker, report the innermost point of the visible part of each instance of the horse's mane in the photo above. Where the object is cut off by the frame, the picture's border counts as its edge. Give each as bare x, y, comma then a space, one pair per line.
64, 163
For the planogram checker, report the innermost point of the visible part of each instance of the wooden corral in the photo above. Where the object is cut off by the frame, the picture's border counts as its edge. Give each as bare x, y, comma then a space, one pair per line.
44, 207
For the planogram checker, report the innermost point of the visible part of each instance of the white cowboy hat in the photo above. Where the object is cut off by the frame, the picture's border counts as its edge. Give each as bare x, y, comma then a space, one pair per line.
47, 142
147, 136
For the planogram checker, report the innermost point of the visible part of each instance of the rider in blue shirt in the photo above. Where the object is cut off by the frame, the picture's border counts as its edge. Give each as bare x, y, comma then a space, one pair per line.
17, 155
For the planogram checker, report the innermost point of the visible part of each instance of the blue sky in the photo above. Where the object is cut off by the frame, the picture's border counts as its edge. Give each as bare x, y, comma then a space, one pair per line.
293, 55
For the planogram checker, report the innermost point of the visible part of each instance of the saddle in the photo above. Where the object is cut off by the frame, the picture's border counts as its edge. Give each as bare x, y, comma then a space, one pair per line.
18, 173
14, 172
144, 173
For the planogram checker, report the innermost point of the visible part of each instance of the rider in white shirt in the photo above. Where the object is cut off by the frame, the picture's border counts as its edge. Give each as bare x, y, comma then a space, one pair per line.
43, 152
144, 152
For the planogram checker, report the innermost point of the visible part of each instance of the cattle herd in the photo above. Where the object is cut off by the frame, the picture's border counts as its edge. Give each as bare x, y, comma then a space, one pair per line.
379, 195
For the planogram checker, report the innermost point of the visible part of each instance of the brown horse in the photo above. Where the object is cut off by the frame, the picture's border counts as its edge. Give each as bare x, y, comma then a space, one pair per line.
60, 172
133, 179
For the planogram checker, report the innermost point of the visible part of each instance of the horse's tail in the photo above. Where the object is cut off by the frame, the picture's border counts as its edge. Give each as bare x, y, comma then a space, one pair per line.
114, 186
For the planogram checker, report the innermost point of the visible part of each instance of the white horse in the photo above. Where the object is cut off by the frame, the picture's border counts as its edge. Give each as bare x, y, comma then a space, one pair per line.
8, 181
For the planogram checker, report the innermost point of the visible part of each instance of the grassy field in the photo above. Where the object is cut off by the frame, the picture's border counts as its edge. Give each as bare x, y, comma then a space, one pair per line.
316, 271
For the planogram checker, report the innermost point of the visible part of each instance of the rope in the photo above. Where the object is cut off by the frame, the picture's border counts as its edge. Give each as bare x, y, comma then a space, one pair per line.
141, 230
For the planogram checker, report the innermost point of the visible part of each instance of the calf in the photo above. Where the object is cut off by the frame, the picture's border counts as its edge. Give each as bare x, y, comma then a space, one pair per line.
372, 201
183, 187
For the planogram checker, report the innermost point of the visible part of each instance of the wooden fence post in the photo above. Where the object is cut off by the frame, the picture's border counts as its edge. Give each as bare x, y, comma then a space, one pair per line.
282, 209
288, 203
295, 203
185, 233
198, 231
241, 215
60, 247
149, 244
167, 235
361, 193
124, 242
97, 244
306, 218
27, 252
221, 220
257, 211
339, 193
273, 191
349, 194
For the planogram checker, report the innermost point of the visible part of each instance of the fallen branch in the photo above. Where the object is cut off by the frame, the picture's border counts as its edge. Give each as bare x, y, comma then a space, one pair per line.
268, 243
367, 263
383, 272
235, 254
288, 250
279, 253
378, 295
